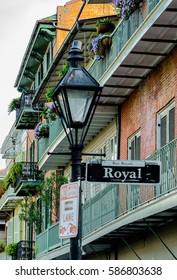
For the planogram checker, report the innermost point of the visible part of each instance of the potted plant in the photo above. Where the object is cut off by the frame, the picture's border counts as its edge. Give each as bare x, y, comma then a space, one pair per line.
51, 112
100, 45
14, 104
11, 249
41, 130
105, 25
126, 7
2, 246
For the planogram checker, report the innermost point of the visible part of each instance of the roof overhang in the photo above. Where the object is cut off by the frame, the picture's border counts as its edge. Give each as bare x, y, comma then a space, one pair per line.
43, 33
9, 205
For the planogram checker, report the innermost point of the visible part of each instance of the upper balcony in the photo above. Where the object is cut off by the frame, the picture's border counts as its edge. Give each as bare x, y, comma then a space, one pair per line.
27, 116
8, 202
28, 179
139, 44
25, 182
120, 211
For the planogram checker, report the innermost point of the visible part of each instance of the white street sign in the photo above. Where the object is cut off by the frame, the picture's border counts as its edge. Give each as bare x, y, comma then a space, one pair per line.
69, 207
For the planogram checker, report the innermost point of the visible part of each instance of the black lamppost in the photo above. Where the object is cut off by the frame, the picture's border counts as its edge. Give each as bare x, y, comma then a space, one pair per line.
75, 98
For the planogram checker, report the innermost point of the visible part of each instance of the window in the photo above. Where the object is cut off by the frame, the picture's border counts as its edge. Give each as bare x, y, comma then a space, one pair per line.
166, 153
166, 125
134, 146
113, 148
133, 191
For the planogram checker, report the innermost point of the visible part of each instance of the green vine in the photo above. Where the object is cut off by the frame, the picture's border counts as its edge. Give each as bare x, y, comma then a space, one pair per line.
48, 194
11, 177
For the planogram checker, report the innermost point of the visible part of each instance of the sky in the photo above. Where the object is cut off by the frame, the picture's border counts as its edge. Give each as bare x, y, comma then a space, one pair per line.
17, 20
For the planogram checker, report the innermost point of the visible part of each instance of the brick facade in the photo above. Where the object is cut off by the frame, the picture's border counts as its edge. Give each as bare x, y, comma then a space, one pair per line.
140, 109
67, 14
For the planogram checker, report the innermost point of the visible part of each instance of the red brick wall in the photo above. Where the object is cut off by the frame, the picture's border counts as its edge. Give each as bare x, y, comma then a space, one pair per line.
67, 14
140, 109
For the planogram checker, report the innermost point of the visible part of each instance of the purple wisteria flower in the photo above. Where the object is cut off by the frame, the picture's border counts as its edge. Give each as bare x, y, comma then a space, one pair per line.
94, 47
126, 7
40, 130
37, 133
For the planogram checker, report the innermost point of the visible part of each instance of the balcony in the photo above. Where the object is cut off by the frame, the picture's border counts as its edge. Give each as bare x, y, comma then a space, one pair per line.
25, 250
8, 202
50, 144
27, 116
121, 210
28, 179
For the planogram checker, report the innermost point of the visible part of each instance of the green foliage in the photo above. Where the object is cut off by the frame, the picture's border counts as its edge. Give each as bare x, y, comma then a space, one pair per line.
2, 187
104, 21
105, 25
48, 94
44, 112
11, 177
11, 249
64, 70
2, 245
48, 194
14, 104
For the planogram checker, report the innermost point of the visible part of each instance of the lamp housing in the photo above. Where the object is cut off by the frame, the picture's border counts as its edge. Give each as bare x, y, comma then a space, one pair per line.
76, 93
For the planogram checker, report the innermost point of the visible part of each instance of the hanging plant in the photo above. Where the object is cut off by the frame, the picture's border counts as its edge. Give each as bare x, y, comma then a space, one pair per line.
104, 25
14, 104
99, 46
41, 130
126, 7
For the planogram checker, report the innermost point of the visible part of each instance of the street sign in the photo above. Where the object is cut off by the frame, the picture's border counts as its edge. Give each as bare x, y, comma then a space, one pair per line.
69, 207
124, 171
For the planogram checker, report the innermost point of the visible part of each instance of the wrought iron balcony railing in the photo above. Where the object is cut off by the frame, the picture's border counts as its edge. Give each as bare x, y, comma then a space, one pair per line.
25, 250
29, 177
28, 115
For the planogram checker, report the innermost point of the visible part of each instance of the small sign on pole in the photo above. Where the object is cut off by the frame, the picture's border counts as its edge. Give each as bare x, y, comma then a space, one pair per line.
69, 208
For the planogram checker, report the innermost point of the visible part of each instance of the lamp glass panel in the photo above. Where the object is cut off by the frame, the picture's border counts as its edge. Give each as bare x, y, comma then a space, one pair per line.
79, 103
62, 102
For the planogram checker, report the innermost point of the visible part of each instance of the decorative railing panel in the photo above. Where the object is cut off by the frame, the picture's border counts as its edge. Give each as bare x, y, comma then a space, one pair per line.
25, 250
